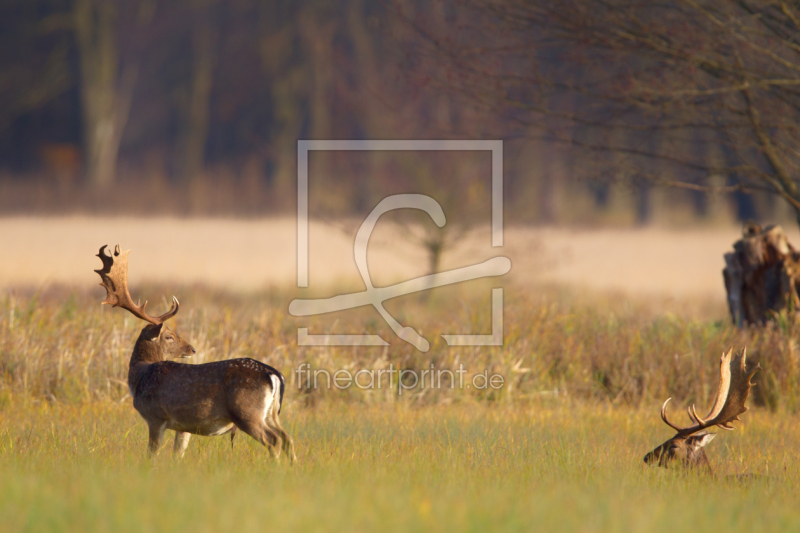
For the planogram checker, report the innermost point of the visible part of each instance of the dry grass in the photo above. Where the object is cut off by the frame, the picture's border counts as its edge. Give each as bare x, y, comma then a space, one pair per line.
558, 447
64, 347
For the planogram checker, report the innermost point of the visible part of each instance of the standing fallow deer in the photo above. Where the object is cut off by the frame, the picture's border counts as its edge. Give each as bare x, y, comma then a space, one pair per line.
686, 447
208, 399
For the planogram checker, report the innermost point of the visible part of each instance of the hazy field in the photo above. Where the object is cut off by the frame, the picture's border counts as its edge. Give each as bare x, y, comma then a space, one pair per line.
588, 359
250, 255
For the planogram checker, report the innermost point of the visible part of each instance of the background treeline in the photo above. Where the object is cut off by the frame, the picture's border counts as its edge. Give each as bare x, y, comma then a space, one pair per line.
195, 107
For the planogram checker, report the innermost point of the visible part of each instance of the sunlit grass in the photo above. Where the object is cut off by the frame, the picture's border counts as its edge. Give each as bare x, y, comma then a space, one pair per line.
470, 467
72, 448
65, 347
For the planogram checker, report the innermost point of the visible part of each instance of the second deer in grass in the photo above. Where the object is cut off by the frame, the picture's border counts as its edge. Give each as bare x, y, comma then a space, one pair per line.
686, 447
209, 399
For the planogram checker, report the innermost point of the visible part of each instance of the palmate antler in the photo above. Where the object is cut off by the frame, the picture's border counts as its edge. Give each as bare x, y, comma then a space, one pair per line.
115, 280
734, 387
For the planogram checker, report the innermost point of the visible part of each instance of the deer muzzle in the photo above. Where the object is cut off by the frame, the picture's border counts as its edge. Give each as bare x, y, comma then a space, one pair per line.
188, 352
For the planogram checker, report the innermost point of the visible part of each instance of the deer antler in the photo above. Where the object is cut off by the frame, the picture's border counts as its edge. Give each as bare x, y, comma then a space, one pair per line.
734, 386
115, 280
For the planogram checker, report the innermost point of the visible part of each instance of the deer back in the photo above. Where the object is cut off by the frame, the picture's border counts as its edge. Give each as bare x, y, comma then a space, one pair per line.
202, 399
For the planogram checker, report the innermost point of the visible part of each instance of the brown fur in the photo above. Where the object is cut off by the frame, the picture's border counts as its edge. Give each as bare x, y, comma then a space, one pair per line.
682, 452
209, 399
685, 449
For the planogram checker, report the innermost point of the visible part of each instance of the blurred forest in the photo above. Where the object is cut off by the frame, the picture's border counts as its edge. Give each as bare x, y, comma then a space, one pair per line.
194, 107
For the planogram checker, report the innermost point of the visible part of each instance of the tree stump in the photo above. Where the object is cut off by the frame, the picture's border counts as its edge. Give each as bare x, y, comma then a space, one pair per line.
762, 275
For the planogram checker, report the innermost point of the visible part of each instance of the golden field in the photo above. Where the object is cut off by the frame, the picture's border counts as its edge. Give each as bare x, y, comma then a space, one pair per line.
587, 360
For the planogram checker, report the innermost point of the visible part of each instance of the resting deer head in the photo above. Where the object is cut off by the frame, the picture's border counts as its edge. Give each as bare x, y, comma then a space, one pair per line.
685, 449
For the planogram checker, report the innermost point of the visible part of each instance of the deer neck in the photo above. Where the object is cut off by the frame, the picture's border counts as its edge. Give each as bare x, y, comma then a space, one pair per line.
704, 466
145, 353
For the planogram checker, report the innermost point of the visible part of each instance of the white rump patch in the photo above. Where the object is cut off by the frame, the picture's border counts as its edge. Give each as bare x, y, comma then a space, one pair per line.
269, 399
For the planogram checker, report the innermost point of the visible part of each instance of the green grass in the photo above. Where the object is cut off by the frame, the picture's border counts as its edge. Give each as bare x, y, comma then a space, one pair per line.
468, 467
72, 448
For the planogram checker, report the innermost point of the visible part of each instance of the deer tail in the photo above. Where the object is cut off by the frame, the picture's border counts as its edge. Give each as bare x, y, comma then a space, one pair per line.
278, 386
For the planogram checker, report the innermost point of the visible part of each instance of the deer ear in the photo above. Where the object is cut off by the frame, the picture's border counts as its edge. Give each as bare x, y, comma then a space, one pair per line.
155, 331
701, 440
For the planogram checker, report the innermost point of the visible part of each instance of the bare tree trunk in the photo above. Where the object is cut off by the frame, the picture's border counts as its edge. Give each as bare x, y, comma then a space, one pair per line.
316, 32
289, 88
105, 94
318, 40
370, 116
434, 244
192, 157
364, 51
547, 185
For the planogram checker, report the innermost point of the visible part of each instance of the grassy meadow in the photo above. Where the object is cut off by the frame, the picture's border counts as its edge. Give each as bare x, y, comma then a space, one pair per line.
558, 447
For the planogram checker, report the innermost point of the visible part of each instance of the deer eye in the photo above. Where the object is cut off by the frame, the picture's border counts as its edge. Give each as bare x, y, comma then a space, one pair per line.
170, 338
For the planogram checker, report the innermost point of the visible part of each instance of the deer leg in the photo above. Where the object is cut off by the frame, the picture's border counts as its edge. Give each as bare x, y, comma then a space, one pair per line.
272, 438
181, 442
233, 434
261, 432
287, 442
157, 429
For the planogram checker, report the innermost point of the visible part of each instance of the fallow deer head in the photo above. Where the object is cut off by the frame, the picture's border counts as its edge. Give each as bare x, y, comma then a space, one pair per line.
686, 447
158, 341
